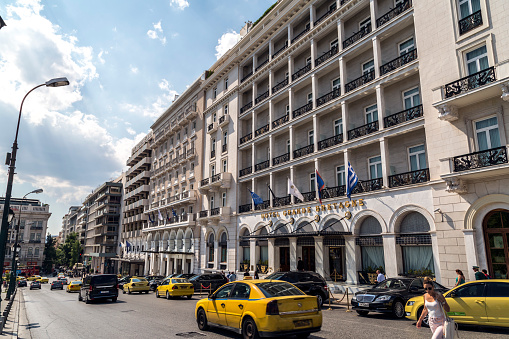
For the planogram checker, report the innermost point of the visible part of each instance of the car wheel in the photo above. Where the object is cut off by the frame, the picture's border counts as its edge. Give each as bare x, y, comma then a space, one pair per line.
189, 296
398, 309
303, 335
201, 319
320, 299
425, 321
146, 292
123, 291
87, 301
79, 297
114, 300
168, 295
157, 294
249, 330
362, 313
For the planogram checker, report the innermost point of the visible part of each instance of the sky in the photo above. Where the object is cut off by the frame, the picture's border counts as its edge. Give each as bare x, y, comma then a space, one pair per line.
125, 60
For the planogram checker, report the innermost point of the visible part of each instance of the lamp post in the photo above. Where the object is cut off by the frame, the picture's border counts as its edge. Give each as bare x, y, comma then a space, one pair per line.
11, 162
15, 250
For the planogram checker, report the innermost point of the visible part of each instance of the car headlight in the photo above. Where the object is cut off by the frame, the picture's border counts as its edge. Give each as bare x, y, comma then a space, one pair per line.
410, 303
384, 298
354, 298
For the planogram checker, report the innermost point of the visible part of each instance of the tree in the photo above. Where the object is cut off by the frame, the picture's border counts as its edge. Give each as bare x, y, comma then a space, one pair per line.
68, 253
50, 254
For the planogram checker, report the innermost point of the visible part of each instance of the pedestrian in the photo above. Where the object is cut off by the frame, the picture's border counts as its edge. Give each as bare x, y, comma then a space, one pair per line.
435, 304
460, 279
246, 274
485, 272
300, 265
233, 276
478, 274
228, 276
379, 276
256, 275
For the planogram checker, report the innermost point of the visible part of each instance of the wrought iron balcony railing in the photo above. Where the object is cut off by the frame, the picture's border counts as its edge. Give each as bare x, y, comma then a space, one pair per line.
301, 110
246, 107
398, 62
279, 86
301, 72
280, 50
363, 79
303, 151
224, 148
365, 30
246, 138
262, 130
261, 97
222, 118
262, 165
328, 97
329, 142
204, 214
308, 196
204, 182
470, 22
246, 76
333, 192
363, 130
298, 36
409, 178
214, 211
281, 159
210, 127
212, 154
329, 12
284, 201
245, 208
368, 185
278, 122
215, 178
400, 8
403, 116
326, 56
262, 64
263, 206
490, 157
246, 171
470, 82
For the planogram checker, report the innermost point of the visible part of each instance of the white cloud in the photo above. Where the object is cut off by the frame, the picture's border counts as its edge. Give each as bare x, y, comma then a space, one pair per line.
133, 69
157, 106
225, 42
100, 56
179, 4
63, 191
157, 33
131, 131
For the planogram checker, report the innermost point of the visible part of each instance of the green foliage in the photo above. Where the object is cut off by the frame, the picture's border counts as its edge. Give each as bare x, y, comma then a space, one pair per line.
423, 272
50, 254
67, 254
264, 14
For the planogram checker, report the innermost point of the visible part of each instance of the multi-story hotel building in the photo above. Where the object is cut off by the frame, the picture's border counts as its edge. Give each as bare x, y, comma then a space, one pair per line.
413, 95
33, 222
172, 236
69, 222
136, 202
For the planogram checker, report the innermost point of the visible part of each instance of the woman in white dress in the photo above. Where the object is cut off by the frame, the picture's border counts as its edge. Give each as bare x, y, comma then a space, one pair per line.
435, 304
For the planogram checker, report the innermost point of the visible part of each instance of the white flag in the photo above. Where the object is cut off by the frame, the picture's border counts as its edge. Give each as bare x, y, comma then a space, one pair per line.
294, 190
160, 216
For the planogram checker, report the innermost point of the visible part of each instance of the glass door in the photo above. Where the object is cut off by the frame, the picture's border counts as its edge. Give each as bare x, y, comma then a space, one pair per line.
336, 264
308, 256
496, 234
284, 259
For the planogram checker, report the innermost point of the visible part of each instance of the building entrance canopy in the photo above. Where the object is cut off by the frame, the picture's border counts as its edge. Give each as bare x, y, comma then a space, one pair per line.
296, 234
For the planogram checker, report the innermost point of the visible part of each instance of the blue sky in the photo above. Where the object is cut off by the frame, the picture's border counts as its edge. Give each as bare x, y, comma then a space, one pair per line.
125, 60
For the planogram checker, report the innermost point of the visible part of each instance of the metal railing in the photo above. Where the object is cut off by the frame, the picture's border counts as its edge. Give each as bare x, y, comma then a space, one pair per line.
368, 185
470, 22
329, 142
409, 178
215, 178
245, 208
204, 182
490, 157
326, 14
261, 97
262, 64
283, 201
278, 122
333, 192
246, 107
246, 138
298, 36
204, 214
281, 159
398, 62
400, 8
328, 97
262, 165
279, 86
246, 171
365, 30
308, 196
303, 151
214, 211
403, 116
280, 50
213, 154
326, 56
470, 82
301, 110
262, 130
363, 130
264, 205
301, 72
246, 76
224, 148
363, 79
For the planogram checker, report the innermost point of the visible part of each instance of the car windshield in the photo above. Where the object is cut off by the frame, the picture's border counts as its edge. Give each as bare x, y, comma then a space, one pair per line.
76, 283
276, 276
179, 281
278, 289
194, 278
105, 280
391, 283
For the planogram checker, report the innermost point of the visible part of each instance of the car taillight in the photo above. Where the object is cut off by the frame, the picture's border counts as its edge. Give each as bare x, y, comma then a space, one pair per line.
117, 287
191, 286
272, 308
175, 288
90, 288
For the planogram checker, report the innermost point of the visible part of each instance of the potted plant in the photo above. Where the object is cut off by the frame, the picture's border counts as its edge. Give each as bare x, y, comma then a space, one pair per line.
264, 266
244, 265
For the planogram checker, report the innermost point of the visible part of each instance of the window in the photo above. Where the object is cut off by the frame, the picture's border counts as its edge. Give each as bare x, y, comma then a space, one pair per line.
334, 44
340, 176
470, 291
225, 165
225, 110
288, 146
338, 126
192, 166
30, 250
224, 248
498, 289
477, 60
310, 98
417, 158
36, 252
308, 61
214, 94
468, 7
406, 46
368, 67
211, 202
223, 199
287, 109
194, 124
225, 138
336, 84
213, 144
212, 170
226, 83
375, 167
287, 75
312, 184
411, 98
224, 292
214, 117
371, 114
487, 135
241, 291
311, 137
398, 2
38, 236
210, 244
32, 236
364, 23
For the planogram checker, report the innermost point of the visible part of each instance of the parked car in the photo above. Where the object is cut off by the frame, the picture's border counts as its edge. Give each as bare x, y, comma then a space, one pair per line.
22, 283
34, 277
308, 282
154, 283
390, 296
478, 302
136, 285
57, 284
208, 282
149, 278
99, 286
269, 308
35, 284
185, 275
175, 287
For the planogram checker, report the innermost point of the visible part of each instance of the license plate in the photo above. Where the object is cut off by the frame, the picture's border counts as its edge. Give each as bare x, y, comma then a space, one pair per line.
302, 323
105, 291
363, 304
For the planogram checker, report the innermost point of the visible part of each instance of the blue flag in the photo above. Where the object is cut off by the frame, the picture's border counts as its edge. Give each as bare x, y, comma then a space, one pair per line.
320, 185
174, 213
119, 244
149, 218
256, 198
351, 181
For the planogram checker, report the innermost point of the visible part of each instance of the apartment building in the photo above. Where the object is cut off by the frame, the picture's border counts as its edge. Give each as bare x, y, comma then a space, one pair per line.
136, 202
412, 95
69, 222
103, 220
172, 236
33, 219
81, 224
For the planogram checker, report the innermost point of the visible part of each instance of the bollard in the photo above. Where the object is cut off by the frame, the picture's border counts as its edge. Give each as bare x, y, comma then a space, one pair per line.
347, 301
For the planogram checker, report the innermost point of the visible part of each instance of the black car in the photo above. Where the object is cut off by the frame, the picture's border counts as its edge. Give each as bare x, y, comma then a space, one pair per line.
22, 283
185, 275
208, 282
56, 284
35, 284
308, 282
153, 277
390, 296
99, 286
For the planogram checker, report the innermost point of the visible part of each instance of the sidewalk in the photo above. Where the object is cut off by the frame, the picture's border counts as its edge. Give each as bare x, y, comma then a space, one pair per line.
17, 316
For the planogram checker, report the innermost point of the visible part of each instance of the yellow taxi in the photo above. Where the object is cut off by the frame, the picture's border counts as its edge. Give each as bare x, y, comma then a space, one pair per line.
20, 277
43, 280
74, 286
34, 277
175, 287
479, 302
136, 284
260, 308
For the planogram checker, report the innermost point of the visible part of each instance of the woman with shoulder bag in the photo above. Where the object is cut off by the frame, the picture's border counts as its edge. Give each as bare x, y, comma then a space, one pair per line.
435, 304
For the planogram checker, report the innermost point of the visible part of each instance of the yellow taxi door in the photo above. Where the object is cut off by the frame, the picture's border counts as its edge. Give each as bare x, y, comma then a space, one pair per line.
236, 304
497, 303
161, 289
468, 303
216, 305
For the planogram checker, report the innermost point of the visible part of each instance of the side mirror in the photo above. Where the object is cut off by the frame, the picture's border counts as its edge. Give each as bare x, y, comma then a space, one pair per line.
212, 296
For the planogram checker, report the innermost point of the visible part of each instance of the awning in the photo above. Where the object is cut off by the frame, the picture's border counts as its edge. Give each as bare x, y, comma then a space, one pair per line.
295, 235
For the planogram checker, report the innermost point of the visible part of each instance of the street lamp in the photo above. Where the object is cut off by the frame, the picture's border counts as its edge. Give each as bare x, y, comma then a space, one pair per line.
11, 162
16, 249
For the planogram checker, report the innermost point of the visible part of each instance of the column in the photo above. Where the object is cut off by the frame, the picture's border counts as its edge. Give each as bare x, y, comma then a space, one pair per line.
168, 269
342, 74
436, 256
291, 95
271, 82
161, 261
271, 150
384, 154
312, 16
350, 260
380, 104
315, 135
271, 183
253, 155
377, 55
254, 63
291, 66
293, 254
152, 263
313, 89
252, 190
271, 112
344, 118
271, 48
290, 31
471, 251
373, 9
292, 142
317, 195
252, 255
146, 266
254, 93
272, 255
216, 253
319, 256
313, 53
392, 258
341, 32
291, 178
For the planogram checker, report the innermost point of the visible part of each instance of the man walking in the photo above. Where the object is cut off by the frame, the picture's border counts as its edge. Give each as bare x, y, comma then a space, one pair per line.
379, 276
478, 275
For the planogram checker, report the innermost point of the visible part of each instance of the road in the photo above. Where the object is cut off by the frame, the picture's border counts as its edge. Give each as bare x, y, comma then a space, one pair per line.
57, 314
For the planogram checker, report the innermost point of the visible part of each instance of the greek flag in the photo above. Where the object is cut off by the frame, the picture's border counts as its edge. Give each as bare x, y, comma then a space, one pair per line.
256, 198
351, 181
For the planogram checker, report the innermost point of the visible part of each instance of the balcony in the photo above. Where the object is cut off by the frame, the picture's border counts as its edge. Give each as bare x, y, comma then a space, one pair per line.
246, 138
263, 206
301, 110
326, 56
491, 157
281, 159
329, 12
470, 82
246, 171
246, 76
220, 180
358, 132
398, 62
329, 142
224, 120
280, 50
262, 130
211, 128
182, 157
284, 201
308, 196
246, 107
279, 86
301, 72
403, 116
261, 97
368, 185
245, 208
409, 178
298, 36
470, 22
224, 148
403, 6
357, 36
262, 64
212, 154
333, 192
216, 214
190, 153
303, 151
362, 80
262, 165
34, 241
328, 97
280, 121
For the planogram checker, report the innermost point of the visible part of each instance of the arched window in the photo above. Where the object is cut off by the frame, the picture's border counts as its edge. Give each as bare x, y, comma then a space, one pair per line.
371, 243
210, 245
496, 234
415, 242
223, 247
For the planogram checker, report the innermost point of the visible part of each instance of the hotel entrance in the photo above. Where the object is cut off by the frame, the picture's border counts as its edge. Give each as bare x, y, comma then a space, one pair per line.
284, 259
496, 237
308, 257
336, 263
